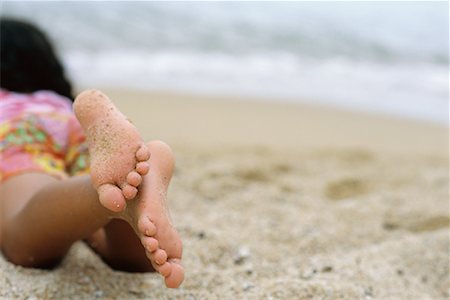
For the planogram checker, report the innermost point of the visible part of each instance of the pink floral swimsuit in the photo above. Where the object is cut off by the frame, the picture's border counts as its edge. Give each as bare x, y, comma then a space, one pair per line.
39, 133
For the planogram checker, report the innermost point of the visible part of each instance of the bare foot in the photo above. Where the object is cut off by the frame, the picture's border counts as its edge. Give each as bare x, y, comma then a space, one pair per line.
117, 153
119, 161
149, 217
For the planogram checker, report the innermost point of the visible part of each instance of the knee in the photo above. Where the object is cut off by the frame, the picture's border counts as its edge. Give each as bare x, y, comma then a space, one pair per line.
27, 259
23, 256
14, 253
17, 255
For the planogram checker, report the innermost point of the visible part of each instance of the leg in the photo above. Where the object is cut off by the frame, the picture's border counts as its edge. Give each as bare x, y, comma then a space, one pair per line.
40, 223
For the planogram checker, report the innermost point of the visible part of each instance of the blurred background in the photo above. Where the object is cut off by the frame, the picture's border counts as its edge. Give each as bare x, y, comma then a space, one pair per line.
387, 57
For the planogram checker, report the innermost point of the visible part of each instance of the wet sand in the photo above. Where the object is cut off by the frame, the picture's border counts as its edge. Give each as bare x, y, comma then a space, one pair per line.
281, 201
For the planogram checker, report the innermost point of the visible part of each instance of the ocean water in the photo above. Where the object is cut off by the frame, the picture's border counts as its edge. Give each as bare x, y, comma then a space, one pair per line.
386, 57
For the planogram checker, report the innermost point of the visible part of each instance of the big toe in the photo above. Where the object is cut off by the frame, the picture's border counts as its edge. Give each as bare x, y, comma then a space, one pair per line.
111, 197
176, 276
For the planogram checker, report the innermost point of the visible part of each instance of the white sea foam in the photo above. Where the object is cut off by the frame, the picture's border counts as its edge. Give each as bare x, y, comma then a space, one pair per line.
405, 89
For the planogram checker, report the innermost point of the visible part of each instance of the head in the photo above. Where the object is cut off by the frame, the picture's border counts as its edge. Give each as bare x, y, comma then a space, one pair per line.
28, 61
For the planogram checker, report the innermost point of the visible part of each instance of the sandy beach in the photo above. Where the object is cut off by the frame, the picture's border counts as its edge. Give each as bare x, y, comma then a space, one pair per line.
280, 201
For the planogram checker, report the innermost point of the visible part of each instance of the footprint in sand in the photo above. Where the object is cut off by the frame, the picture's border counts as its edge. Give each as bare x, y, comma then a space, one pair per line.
346, 188
416, 223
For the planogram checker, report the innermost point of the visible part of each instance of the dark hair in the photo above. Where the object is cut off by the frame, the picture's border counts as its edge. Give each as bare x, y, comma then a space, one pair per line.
28, 62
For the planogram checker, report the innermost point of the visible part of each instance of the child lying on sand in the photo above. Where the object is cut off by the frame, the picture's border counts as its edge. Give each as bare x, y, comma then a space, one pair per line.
50, 197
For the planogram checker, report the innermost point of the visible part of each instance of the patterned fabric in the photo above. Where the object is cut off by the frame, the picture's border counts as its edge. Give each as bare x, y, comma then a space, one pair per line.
39, 133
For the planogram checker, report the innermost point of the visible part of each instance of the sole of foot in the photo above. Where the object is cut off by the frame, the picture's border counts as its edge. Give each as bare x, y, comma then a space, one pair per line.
149, 216
118, 155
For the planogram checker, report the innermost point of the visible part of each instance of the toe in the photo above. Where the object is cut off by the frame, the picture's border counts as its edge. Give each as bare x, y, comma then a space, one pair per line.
111, 197
134, 179
150, 244
165, 269
142, 167
143, 154
160, 256
146, 226
129, 192
176, 276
